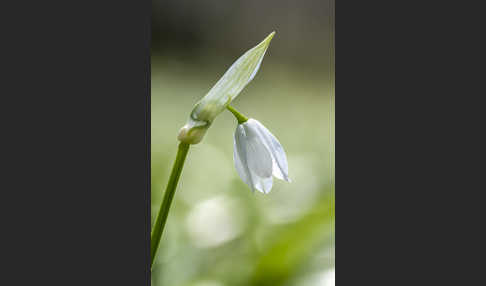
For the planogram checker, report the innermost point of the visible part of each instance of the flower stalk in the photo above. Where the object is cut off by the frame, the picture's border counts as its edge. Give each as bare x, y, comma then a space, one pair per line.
240, 117
159, 224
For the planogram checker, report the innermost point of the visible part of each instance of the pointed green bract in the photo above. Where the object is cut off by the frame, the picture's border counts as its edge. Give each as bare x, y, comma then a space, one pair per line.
223, 92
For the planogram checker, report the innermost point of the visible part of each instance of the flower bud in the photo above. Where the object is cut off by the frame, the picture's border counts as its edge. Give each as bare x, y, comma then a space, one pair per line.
223, 92
193, 132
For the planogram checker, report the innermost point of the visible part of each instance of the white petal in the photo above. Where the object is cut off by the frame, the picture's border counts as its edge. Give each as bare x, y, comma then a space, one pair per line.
258, 157
278, 173
280, 165
239, 156
264, 185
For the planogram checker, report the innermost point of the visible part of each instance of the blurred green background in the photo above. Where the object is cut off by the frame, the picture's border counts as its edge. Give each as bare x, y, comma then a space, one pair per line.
218, 232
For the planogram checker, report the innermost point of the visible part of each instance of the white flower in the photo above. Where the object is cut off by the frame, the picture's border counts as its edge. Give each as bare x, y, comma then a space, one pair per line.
258, 155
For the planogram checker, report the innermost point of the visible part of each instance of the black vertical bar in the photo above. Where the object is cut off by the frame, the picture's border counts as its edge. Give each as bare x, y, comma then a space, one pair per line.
75, 108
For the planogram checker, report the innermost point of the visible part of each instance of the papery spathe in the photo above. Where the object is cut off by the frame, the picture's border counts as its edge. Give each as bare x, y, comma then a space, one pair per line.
223, 92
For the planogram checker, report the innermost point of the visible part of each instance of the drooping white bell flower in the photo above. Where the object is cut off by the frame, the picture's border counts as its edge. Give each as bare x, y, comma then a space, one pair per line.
258, 156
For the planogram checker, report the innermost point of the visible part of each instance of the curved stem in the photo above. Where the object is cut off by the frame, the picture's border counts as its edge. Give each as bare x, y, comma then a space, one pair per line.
240, 117
159, 224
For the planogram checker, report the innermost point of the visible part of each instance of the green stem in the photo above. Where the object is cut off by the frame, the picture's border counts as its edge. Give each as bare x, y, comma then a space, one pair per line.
159, 224
240, 117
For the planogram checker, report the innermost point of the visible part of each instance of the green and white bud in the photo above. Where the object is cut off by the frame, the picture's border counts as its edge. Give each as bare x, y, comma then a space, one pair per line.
223, 92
